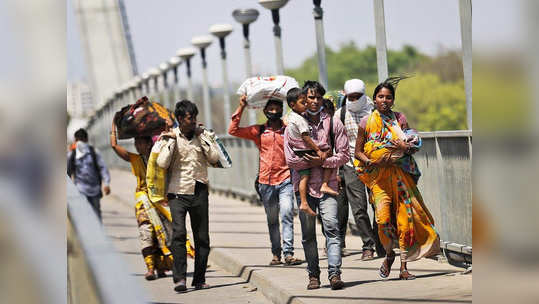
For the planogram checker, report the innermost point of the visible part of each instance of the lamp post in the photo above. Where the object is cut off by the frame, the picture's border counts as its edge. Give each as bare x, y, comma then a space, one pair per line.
137, 80
154, 74
246, 17
274, 6
318, 14
465, 9
221, 31
164, 68
202, 42
381, 45
185, 54
174, 62
146, 82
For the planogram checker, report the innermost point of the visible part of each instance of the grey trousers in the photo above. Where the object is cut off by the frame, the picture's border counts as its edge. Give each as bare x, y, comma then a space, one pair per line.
353, 193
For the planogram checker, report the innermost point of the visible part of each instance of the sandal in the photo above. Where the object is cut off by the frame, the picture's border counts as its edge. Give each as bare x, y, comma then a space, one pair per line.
405, 275
385, 269
290, 260
275, 261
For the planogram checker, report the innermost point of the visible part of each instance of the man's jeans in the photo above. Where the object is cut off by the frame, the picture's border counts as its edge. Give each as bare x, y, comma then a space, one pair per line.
327, 207
279, 200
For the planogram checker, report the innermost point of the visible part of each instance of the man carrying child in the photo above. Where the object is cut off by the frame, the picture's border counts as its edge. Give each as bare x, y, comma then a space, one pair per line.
323, 131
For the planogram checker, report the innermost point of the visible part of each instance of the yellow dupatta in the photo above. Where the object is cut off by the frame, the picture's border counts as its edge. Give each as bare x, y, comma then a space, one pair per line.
402, 217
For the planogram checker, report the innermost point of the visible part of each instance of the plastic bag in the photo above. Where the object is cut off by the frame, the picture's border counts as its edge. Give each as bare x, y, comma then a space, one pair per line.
260, 89
216, 144
144, 118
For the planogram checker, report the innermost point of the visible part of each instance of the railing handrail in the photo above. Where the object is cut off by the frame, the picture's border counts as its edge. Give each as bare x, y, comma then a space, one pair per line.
110, 275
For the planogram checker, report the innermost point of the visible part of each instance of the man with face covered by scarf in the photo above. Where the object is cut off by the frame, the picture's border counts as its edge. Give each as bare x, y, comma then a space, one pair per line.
356, 105
274, 183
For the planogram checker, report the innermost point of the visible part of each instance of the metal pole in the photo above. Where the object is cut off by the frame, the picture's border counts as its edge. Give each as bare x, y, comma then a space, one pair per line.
205, 90
318, 14
381, 45
226, 89
278, 44
465, 8
248, 66
247, 51
175, 87
189, 81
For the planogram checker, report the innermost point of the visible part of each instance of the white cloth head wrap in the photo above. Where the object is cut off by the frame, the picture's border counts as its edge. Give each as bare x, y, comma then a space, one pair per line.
354, 86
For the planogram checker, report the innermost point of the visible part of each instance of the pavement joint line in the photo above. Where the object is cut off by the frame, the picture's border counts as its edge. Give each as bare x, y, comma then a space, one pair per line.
264, 284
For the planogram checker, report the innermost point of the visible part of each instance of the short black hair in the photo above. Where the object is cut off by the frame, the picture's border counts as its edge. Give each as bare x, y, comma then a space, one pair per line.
274, 101
293, 95
386, 85
315, 86
81, 134
184, 107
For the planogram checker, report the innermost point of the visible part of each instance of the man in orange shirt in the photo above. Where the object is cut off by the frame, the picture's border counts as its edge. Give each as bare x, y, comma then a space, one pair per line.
274, 186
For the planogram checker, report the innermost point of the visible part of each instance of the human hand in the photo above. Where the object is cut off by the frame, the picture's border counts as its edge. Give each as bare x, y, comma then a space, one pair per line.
167, 134
199, 130
314, 161
106, 190
400, 144
243, 101
323, 155
383, 161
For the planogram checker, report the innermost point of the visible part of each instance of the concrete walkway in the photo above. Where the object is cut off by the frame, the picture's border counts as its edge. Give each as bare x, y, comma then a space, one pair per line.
240, 246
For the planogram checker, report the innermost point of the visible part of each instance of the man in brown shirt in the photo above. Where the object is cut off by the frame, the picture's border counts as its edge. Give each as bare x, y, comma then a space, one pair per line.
187, 157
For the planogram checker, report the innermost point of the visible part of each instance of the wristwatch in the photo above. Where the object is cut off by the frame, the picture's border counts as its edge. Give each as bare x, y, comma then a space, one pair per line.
367, 163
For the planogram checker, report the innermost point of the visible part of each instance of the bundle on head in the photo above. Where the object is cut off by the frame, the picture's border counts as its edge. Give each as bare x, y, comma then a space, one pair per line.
144, 118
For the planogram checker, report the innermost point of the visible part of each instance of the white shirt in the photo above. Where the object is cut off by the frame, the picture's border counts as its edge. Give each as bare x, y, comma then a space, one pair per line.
297, 125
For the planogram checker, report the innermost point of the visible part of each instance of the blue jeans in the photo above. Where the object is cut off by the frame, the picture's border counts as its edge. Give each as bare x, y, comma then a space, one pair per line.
279, 200
327, 207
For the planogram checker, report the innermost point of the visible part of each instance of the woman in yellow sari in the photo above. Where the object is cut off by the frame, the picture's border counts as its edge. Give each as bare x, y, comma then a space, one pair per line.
388, 169
153, 219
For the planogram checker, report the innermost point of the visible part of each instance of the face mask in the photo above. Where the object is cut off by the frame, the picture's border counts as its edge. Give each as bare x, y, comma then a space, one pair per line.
315, 113
273, 116
356, 105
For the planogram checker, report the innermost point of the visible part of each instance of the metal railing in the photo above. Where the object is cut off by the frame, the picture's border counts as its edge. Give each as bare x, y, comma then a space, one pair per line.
445, 161
96, 273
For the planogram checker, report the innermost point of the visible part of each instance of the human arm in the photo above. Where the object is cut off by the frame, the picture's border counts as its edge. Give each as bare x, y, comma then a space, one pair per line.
295, 162
166, 152
104, 172
120, 151
310, 143
342, 152
234, 129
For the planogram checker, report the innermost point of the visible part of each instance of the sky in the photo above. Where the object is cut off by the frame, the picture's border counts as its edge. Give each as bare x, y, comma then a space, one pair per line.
160, 28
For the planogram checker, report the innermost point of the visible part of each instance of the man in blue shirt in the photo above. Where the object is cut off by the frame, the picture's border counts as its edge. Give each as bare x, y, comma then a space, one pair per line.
88, 171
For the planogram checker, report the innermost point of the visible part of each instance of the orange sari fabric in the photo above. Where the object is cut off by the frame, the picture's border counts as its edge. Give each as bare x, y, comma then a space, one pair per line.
403, 220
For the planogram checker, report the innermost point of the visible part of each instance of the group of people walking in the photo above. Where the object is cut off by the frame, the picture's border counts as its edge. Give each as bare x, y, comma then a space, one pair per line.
326, 159
321, 160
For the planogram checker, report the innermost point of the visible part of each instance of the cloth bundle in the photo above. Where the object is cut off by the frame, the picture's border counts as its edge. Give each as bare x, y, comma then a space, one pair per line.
260, 89
216, 144
144, 118
156, 177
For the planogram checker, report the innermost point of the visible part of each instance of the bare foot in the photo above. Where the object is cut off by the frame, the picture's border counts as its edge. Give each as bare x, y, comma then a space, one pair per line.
305, 208
327, 189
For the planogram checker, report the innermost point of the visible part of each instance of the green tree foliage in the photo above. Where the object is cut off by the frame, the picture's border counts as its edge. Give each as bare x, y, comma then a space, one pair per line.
430, 104
432, 100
